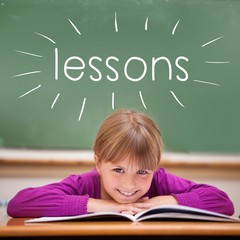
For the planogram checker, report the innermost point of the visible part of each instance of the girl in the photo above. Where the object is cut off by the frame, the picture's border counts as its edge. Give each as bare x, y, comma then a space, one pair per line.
126, 179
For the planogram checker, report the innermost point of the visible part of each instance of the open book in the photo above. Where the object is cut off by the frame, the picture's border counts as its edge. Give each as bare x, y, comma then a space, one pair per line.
161, 212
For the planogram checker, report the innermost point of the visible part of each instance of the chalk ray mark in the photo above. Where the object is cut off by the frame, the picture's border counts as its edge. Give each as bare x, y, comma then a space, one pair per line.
27, 73
55, 100
56, 64
30, 91
214, 40
74, 26
210, 83
177, 99
175, 27
44, 36
217, 62
27, 53
146, 24
113, 102
141, 97
81, 112
116, 22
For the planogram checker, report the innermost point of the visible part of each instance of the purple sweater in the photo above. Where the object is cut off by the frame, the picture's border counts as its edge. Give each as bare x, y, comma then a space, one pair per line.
70, 196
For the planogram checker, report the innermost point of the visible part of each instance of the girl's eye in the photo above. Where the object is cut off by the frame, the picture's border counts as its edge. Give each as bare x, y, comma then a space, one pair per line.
118, 170
142, 172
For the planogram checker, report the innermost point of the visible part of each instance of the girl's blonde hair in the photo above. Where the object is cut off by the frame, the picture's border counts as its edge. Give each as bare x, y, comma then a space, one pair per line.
131, 134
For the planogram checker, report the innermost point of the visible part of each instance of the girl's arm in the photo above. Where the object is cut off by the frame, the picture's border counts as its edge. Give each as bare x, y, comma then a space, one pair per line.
188, 193
57, 199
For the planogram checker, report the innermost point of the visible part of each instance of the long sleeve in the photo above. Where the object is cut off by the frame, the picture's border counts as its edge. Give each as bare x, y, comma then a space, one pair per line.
191, 194
67, 197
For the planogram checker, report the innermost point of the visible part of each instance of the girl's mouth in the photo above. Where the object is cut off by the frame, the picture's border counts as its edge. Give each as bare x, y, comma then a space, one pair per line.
127, 194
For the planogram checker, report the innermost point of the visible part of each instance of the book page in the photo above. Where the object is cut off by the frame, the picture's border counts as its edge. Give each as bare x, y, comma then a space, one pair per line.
184, 212
99, 215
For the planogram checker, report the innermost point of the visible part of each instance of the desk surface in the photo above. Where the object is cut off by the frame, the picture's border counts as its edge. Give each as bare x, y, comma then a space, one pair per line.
12, 227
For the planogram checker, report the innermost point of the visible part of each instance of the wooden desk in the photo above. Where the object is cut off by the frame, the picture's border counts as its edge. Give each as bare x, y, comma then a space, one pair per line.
15, 227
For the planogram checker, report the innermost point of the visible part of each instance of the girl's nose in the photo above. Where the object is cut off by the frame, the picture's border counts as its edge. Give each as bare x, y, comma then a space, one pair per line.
129, 182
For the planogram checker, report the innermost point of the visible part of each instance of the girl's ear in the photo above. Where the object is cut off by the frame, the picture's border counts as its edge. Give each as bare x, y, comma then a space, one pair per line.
97, 163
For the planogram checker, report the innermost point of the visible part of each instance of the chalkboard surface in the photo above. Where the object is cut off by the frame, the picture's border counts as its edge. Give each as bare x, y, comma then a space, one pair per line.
67, 64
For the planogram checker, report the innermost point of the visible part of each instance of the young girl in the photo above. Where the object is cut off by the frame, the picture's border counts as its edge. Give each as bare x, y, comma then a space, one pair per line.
126, 179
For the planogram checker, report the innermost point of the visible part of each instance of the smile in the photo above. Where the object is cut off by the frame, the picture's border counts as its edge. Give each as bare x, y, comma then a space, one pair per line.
127, 193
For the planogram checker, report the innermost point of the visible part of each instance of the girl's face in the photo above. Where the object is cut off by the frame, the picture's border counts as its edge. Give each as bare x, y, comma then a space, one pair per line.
124, 181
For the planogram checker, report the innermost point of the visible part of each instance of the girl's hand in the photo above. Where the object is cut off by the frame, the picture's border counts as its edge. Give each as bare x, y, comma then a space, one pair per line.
160, 200
100, 205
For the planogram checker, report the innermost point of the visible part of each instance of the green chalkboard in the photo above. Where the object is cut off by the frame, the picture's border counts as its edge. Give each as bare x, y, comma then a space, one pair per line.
67, 64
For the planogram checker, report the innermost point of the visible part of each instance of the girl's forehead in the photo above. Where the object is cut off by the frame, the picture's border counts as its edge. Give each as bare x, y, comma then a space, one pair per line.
127, 163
